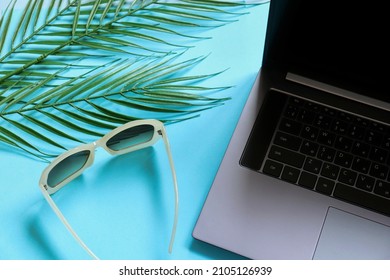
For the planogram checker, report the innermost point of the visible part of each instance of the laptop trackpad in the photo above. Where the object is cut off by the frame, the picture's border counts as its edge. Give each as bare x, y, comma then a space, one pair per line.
346, 236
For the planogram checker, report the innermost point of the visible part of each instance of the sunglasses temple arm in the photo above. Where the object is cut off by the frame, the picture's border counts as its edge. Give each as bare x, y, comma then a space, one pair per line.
66, 223
175, 220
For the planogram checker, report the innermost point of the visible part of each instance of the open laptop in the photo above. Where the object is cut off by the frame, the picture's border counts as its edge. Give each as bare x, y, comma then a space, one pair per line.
307, 172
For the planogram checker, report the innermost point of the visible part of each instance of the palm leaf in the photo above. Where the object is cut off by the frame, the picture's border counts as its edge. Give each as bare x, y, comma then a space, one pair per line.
72, 70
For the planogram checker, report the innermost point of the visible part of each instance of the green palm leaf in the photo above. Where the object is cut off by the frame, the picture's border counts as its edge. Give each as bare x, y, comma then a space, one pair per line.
72, 70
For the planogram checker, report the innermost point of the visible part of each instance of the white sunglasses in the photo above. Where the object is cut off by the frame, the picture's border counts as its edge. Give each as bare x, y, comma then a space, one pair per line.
127, 138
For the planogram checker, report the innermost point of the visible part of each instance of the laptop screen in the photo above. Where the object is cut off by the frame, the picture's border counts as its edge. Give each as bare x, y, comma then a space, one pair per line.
342, 42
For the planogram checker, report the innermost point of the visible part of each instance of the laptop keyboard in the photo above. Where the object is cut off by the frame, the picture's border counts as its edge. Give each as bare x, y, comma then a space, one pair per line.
333, 153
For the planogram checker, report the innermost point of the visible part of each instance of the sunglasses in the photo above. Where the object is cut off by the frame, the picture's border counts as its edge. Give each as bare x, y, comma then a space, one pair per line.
127, 138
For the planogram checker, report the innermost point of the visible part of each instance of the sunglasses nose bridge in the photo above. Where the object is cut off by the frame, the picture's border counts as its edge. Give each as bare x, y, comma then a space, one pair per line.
101, 143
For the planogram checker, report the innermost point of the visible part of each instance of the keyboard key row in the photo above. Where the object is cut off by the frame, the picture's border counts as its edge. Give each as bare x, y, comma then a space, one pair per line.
314, 160
297, 105
341, 158
327, 138
354, 127
370, 193
313, 167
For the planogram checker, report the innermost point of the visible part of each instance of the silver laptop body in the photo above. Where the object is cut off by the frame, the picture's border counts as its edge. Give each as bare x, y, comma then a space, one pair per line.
268, 202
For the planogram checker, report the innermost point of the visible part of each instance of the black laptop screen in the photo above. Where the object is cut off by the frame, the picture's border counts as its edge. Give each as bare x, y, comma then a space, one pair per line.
340, 42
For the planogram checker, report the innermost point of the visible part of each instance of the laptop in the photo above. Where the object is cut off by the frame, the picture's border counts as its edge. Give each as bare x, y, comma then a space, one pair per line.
306, 174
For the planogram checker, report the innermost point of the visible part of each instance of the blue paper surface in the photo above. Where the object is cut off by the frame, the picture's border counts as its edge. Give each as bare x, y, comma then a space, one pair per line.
122, 207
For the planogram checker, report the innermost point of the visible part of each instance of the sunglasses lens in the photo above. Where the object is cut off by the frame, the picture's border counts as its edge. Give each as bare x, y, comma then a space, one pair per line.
131, 137
67, 168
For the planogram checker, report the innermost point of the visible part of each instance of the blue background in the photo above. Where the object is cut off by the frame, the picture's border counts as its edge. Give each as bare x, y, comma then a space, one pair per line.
122, 207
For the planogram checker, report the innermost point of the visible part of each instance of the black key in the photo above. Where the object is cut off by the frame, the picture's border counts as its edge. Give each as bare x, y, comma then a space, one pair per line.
379, 171
296, 101
286, 156
325, 186
362, 122
326, 153
365, 182
306, 116
330, 112
290, 174
374, 137
272, 168
378, 127
291, 111
309, 148
383, 189
309, 132
339, 127
322, 121
290, 126
343, 159
307, 180
362, 198
288, 141
347, 176
386, 142
326, 138
356, 132
361, 165
343, 143
330, 171
379, 155
346, 117
360, 149
312, 165
313, 106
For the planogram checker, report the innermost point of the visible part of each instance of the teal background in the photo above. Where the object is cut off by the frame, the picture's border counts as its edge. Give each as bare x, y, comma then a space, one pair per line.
122, 207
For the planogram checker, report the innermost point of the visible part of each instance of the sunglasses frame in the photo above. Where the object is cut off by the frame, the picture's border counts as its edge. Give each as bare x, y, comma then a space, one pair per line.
159, 132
